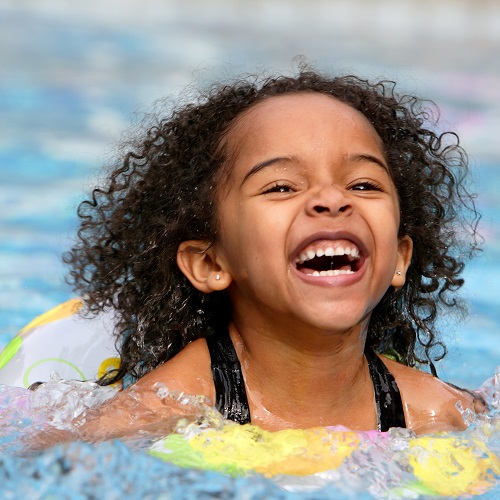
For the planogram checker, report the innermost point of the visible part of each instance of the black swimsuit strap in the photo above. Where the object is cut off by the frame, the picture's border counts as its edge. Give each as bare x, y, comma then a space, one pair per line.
231, 397
387, 396
230, 394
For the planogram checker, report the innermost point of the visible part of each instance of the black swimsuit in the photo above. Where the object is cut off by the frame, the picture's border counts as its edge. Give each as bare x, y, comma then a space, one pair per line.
231, 397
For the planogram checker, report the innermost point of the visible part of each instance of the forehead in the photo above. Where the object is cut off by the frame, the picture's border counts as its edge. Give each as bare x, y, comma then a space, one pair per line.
305, 116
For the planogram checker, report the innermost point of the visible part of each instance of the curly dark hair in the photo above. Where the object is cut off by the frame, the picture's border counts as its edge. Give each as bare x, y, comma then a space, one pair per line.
162, 191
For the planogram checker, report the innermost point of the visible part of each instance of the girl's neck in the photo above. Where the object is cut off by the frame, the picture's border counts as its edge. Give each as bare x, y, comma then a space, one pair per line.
305, 378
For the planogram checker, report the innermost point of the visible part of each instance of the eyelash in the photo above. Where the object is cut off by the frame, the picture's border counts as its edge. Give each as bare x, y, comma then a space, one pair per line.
367, 186
280, 187
284, 187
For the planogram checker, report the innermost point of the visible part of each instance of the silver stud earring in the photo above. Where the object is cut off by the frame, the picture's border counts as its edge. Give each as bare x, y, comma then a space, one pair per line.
399, 273
217, 277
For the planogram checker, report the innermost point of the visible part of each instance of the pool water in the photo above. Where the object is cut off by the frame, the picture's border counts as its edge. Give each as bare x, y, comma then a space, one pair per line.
318, 463
69, 89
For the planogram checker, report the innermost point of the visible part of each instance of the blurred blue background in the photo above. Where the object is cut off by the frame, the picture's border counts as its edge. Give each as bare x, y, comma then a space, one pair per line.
74, 73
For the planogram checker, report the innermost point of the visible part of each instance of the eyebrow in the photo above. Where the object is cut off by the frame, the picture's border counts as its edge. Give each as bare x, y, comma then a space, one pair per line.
357, 158
264, 164
360, 158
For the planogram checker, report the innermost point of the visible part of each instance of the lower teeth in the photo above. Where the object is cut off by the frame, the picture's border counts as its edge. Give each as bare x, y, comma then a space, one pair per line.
333, 272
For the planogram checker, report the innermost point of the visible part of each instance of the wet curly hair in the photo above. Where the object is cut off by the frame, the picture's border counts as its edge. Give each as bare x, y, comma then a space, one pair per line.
161, 191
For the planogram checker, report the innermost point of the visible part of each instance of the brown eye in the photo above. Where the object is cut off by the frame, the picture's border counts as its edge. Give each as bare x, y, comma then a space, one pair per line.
280, 187
366, 186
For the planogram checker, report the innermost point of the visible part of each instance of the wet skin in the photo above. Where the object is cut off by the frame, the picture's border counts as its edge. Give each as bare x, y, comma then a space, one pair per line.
308, 177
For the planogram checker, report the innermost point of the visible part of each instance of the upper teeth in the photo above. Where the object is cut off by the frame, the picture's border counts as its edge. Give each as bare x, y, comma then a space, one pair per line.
352, 253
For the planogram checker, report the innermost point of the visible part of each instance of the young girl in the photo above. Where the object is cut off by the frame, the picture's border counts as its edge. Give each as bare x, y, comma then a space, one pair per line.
283, 248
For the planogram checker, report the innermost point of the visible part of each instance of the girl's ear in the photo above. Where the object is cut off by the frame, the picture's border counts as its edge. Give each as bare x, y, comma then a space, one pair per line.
197, 260
405, 250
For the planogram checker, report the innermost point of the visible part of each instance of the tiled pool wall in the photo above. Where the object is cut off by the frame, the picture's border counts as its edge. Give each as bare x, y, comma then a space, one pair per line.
74, 73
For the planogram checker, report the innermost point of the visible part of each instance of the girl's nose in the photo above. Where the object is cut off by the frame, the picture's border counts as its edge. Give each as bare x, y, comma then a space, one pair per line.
329, 200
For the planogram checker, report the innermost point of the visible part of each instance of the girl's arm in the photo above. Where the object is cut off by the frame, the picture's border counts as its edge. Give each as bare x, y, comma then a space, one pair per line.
182, 388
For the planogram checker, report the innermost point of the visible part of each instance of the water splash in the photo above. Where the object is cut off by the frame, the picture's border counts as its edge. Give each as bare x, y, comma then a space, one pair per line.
392, 465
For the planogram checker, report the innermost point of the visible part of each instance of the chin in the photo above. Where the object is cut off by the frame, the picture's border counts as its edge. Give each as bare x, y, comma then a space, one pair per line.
335, 324
341, 316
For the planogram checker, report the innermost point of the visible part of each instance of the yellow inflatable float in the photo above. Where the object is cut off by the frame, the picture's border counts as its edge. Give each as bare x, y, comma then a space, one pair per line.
447, 465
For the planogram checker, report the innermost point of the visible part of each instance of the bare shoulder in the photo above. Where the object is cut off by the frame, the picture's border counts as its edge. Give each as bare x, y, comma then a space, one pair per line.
189, 371
430, 404
139, 408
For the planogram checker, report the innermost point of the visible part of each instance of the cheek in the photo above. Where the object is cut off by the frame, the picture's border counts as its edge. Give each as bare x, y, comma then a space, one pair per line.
391, 218
391, 244
251, 243
237, 241
387, 246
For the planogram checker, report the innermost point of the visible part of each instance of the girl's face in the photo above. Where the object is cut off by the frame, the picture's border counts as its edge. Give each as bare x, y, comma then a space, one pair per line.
308, 223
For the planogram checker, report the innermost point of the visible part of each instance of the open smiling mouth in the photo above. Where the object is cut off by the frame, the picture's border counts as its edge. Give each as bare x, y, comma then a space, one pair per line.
329, 260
